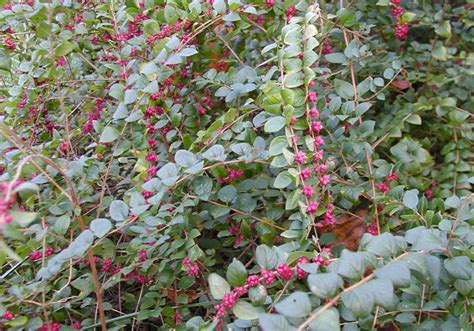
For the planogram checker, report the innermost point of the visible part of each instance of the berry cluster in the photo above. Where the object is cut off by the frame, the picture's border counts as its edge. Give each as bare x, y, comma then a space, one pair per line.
38, 254
8, 315
327, 49
401, 29
267, 277
94, 116
232, 174
239, 236
9, 43
192, 267
384, 185
429, 192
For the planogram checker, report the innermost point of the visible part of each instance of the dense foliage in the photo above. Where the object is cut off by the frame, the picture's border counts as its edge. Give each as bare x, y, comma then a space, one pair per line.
219, 164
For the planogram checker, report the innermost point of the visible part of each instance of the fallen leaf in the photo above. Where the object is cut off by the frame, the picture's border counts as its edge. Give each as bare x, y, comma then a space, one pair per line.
173, 294
401, 84
348, 228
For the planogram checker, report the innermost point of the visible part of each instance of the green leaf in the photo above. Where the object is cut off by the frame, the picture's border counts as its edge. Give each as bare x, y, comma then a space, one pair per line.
388, 73
336, 58
353, 264
227, 194
275, 124
440, 53
410, 199
202, 187
26, 187
428, 240
130, 96
378, 82
61, 225
185, 158
452, 202
151, 27
288, 96
347, 17
443, 29
397, 272
283, 180
296, 305
168, 174
218, 286
293, 37
148, 68
109, 135
22, 218
382, 291
459, 267
273, 322
100, 227
245, 311
407, 17
277, 145
121, 112
344, 89
293, 79
220, 6
195, 7
383, 245
266, 257
65, 48
325, 285
215, 153
171, 14
118, 210
236, 273
360, 300
328, 320
414, 119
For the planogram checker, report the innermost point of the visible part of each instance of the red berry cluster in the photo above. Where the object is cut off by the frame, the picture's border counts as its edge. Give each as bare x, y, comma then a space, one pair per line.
232, 174
384, 185
168, 30
9, 43
290, 12
107, 265
94, 116
401, 29
8, 315
53, 326
192, 267
323, 258
239, 236
429, 192
327, 49
283, 271
139, 279
38, 254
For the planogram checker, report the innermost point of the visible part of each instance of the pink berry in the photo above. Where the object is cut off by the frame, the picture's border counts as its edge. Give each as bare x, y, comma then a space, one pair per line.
312, 207
284, 271
8, 315
306, 173
314, 112
308, 191
268, 276
253, 280
383, 187
300, 157
300, 273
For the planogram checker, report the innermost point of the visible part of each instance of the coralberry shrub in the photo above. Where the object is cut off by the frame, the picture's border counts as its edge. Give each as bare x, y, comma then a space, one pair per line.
207, 164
